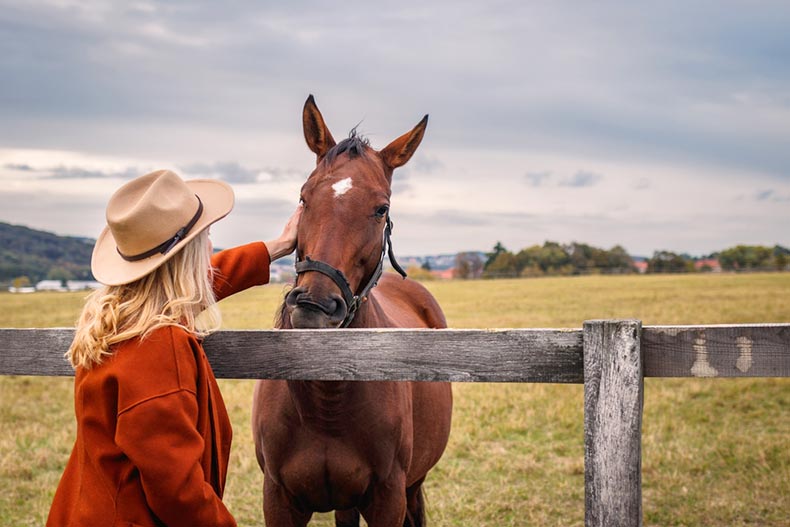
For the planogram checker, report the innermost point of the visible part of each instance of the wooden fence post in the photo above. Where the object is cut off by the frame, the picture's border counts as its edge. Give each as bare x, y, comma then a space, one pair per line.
613, 397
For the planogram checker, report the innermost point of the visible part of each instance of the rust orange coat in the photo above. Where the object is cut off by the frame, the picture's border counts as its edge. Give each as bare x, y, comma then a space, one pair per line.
153, 435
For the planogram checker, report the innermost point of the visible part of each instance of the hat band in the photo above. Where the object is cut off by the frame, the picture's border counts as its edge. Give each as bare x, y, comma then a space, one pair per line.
166, 246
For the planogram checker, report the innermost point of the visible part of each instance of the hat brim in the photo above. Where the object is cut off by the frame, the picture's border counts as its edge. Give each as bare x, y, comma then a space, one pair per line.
110, 268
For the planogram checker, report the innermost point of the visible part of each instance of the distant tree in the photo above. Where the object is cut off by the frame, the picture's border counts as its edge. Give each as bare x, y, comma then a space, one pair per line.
426, 266
580, 256
619, 261
59, 273
420, 273
21, 281
468, 265
781, 261
554, 259
746, 257
781, 257
490, 257
504, 266
530, 258
668, 262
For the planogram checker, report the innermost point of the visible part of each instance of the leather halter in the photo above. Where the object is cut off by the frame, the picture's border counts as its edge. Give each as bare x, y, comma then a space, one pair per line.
354, 301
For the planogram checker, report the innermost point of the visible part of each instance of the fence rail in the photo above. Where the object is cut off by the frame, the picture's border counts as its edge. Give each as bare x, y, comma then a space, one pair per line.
458, 355
611, 358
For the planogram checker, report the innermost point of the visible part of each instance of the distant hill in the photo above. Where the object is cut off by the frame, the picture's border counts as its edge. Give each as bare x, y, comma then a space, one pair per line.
39, 255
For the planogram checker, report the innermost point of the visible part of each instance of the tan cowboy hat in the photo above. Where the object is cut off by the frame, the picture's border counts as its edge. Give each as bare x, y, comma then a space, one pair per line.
150, 219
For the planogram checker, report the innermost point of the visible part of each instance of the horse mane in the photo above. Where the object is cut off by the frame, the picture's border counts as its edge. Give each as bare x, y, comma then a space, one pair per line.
281, 318
355, 145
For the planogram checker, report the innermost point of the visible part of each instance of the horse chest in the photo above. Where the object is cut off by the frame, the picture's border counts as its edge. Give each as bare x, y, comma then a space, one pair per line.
337, 449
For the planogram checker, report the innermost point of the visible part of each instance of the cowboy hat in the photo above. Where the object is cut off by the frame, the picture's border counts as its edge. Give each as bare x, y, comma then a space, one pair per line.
150, 219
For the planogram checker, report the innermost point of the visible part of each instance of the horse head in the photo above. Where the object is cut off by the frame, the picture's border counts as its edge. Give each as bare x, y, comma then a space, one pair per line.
344, 229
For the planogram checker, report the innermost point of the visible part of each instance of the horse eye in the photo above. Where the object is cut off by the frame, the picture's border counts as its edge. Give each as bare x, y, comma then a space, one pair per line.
382, 211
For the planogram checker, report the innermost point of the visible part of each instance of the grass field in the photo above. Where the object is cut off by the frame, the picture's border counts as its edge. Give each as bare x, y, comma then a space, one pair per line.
715, 452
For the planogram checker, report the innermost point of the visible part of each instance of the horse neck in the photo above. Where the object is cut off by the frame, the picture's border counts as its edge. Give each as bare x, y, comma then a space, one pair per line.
370, 314
327, 405
324, 405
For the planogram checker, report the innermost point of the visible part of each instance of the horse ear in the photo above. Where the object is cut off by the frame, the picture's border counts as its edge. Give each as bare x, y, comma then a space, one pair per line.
398, 152
317, 135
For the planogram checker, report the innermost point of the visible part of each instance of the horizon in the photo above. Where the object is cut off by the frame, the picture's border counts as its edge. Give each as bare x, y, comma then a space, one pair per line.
697, 256
658, 127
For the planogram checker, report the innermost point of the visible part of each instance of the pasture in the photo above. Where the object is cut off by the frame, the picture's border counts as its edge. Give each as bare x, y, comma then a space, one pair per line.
715, 452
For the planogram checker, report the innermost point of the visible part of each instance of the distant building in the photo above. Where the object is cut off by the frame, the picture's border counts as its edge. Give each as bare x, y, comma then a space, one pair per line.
50, 285
81, 285
282, 273
28, 289
708, 264
641, 266
444, 274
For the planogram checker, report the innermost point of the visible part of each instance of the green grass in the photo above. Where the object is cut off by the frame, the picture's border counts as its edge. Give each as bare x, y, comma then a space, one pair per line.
715, 451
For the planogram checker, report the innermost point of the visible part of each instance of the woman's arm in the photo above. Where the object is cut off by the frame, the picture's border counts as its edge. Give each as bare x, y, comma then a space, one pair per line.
242, 267
286, 243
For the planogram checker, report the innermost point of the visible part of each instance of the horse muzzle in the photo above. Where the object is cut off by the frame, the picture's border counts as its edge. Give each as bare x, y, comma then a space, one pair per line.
308, 312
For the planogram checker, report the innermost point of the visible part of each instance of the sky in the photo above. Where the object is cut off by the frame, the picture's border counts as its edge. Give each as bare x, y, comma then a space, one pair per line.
654, 126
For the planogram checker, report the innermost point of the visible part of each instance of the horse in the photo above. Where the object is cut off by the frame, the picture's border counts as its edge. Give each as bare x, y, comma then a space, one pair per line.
356, 448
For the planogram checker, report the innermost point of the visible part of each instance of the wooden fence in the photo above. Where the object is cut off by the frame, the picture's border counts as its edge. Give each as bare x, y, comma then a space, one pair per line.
610, 357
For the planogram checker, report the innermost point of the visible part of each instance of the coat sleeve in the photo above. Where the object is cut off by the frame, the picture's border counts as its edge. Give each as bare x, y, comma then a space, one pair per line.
240, 268
161, 439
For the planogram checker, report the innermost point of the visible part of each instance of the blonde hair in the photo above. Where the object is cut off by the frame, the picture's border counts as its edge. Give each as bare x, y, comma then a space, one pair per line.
177, 293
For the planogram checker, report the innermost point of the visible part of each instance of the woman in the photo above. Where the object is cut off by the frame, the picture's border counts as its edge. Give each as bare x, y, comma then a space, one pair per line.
153, 435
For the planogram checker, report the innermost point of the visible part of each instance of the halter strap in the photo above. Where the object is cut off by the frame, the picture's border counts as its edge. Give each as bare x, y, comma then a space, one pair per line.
354, 301
167, 246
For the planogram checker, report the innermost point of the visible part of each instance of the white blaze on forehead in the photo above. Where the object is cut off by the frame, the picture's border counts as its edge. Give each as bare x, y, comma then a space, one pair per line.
342, 186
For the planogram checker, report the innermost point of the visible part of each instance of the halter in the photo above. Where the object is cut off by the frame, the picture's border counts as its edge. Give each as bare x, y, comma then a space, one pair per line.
354, 301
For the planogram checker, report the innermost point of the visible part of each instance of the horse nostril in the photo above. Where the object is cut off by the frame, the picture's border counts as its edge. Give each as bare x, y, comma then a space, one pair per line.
292, 298
333, 306
339, 309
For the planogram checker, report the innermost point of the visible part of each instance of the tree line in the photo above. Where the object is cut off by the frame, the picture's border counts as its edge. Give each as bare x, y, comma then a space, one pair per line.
555, 259
739, 258
27, 256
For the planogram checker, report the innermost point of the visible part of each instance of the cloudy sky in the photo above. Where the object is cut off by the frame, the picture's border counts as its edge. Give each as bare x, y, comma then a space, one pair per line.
660, 126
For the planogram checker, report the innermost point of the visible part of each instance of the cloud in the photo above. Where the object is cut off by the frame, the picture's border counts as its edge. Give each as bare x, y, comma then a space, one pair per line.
662, 87
537, 179
229, 171
73, 172
20, 167
771, 195
234, 172
401, 183
62, 172
426, 163
581, 179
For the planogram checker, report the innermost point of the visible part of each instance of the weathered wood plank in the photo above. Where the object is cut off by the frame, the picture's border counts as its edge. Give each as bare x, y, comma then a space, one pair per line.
515, 355
35, 351
760, 350
613, 401
671, 351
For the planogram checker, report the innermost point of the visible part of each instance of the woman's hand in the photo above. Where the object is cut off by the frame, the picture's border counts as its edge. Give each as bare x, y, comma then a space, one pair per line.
286, 243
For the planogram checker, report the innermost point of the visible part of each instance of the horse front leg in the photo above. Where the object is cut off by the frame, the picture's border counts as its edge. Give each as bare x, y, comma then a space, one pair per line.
347, 518
388, 506
277, 508
415, 506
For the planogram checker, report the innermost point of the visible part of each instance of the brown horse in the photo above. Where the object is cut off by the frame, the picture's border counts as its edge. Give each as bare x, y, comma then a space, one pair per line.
352, 447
